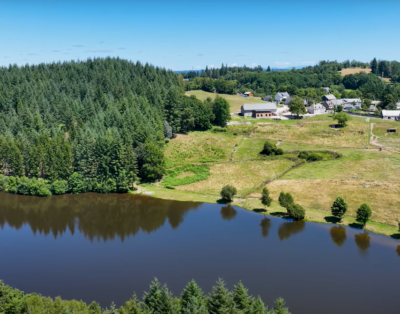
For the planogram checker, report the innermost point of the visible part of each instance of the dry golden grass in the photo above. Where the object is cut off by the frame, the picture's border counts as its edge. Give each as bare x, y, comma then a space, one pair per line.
199, 147
242, 175
317, 133
348, 71
234, 100
383, 197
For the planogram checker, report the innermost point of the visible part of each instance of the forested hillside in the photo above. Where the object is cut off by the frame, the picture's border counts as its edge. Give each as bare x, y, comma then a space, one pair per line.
95, 125
306, 82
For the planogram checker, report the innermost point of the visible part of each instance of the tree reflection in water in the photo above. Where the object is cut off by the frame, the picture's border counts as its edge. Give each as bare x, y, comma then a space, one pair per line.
287, 229
362, 242
398, 250
97, 216
228, 212
338, 235
265, 226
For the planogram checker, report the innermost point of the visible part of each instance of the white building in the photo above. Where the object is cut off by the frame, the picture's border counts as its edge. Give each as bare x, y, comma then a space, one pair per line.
390, 114
352, 103
279, 96
316, 109
259, 110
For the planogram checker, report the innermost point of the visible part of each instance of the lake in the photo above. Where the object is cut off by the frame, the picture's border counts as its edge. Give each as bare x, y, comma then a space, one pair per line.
105, 247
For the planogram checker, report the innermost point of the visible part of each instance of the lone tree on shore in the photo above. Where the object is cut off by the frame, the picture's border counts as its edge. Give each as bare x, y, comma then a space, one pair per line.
265, 198
342, 118
297, 107
285, 199
363, 214
296, 212
228, 192
339, 208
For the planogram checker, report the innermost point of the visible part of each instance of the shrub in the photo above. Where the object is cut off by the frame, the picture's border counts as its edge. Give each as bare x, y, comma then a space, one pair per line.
107, 186
39, 187
296, 212
218, 129
339, 207
24, 186
265, 198
3, 182
315, 157
303, 155
270, 149
75, 183
279, 151
228, 192
12, 185
59, 187
285, 199
363, 214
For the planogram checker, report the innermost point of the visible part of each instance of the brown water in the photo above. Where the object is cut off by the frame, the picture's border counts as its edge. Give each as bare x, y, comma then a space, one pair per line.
105, 247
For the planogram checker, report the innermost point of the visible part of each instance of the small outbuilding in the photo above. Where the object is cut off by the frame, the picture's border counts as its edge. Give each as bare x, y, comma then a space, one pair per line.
391, 114
267, 98
281, 95
248, 94
259, 110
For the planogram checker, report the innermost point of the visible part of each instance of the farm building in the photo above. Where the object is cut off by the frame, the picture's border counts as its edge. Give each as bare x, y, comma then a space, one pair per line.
372, 108
390, 114
267, 98
248, 94
330, 105
316, 109
259, 110
376, 102
289, 100
354, 102
279, 96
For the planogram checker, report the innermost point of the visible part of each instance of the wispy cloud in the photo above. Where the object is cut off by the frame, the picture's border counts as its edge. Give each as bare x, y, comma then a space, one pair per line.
5, 57
99, 50
285, 52
254, 64
234, 64
78, 46
200, 54
32, 54
66, 53
121, 48
211, 66
56, 50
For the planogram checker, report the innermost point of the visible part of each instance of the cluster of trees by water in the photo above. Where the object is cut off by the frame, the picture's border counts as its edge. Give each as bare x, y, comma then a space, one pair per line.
158, 299
96, 125
306, 82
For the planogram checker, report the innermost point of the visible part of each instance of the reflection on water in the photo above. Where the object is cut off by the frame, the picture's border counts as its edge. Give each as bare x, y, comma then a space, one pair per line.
96, 216
228, 212
287, 229
265, 226
338, 235
398, 250
363, 242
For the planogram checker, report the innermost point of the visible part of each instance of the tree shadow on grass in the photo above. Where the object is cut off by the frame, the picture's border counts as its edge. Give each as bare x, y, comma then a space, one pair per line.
395, 236
332, 219
259, 210
356, 225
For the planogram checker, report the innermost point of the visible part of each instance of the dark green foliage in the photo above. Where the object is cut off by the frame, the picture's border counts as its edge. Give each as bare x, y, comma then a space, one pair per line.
242, 299
270, 149
228, 192
280, 308
12, 185
341, 118
192, 300
75, 183
303, 155
40, 187
258, 307
363, 214
265, 198
24, 186
315, 157
296, 212
59, 187
221, 111
339, 207
3, 182
200, 172
297, 107
220, 300
285, 200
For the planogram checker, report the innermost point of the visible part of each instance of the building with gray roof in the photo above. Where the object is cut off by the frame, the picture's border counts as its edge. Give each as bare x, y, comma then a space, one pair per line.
259, 110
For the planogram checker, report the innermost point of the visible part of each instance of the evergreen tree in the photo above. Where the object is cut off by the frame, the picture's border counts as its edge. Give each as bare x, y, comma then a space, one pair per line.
241, 298
220, 300
363, 214
191, 294
258, 307
339, 207
152, 299
280, 308
265, 198
374, 66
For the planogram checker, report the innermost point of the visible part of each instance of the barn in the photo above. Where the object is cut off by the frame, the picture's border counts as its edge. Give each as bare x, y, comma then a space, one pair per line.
259, 110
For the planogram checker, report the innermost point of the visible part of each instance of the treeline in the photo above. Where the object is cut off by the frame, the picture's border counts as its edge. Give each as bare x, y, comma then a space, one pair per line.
158, 300
98, 125
390, 69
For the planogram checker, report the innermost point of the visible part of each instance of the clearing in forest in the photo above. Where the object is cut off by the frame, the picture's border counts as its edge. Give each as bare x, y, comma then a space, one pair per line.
348, 71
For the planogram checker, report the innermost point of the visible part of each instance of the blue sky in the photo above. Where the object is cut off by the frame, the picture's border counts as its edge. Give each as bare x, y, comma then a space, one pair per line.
180, 35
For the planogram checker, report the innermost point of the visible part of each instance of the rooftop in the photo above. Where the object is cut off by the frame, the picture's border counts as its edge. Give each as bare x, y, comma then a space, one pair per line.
265, 106
390, 113
330, 97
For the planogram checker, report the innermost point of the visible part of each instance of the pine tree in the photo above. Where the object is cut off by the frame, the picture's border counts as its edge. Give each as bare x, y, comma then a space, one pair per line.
374, 66
191, 294
152, 298
241, 298
220, 300
339, 207
265, 198
258, 307
280, 308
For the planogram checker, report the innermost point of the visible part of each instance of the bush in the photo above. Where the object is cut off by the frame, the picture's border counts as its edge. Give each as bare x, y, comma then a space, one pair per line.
270, 149
303, 155
296, 212
363, 214
218, 129
59, 187
107, 186
3, 182
12, 185
24, 186
315, 157
285, 200
279, 151
75, 183
228, 192
39, 187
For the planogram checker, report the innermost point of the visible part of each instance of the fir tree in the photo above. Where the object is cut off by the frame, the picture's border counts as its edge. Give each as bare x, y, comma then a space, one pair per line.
220, 300
191, 294
241, 298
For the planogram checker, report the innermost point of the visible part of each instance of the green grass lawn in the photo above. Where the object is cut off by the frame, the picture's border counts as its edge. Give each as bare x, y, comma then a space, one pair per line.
234, 100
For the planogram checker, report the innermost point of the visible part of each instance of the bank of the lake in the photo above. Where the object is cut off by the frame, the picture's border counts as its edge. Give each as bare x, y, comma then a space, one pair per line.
254, 204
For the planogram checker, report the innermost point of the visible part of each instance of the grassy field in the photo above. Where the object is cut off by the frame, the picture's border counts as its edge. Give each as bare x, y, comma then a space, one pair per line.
384, 138
245, 176
348, 71
235, 101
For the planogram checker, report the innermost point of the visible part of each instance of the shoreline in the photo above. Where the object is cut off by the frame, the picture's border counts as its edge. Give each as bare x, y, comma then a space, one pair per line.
254, 205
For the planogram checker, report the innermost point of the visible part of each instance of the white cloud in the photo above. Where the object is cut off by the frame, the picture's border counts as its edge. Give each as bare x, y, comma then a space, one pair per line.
234, 64
211, 66
254, 64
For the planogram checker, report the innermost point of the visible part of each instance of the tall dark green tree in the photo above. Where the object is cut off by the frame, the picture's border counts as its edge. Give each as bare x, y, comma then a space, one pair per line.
220, 300
221, 111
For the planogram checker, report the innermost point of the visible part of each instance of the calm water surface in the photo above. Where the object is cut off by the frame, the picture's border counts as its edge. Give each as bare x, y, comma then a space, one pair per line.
105, 247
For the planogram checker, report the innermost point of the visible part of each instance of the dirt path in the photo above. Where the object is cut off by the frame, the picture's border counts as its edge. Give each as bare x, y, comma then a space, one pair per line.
374, 142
